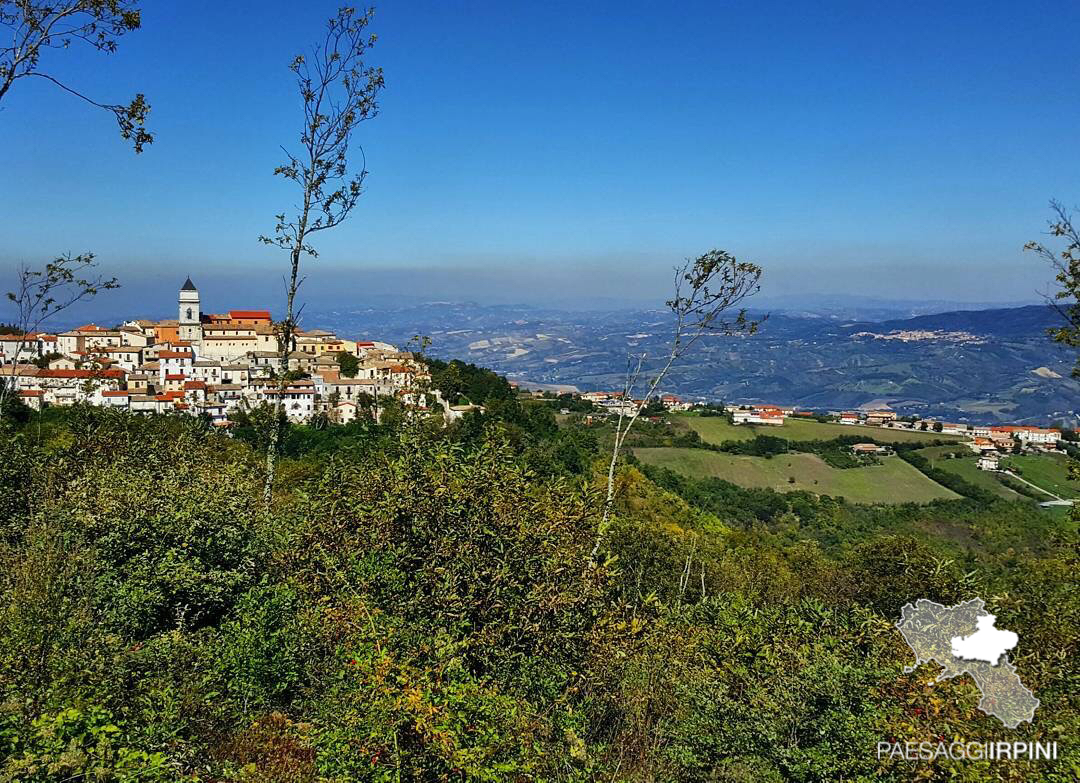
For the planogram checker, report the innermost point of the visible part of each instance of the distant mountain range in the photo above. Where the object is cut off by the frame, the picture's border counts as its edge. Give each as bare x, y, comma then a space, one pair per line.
967, 365
868, 308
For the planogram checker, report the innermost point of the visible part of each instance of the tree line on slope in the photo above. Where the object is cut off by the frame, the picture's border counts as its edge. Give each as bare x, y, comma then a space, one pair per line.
425, 607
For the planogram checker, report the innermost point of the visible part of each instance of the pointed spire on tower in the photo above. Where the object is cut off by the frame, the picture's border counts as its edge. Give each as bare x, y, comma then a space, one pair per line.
188, 285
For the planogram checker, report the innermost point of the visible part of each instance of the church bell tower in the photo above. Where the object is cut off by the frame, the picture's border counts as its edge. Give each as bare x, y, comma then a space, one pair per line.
190, 315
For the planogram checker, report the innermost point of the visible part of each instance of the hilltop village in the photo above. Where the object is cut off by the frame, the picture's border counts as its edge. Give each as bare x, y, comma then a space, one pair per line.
212, 365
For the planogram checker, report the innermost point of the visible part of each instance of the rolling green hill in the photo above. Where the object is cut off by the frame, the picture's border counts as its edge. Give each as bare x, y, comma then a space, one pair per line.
893, 481
1047, 471
965, 468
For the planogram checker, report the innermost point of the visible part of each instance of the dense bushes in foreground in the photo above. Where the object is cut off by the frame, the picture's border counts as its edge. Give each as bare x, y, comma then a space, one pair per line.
420, 604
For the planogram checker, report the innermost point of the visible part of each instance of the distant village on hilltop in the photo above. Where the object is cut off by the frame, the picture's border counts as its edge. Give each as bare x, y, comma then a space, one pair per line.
211, 365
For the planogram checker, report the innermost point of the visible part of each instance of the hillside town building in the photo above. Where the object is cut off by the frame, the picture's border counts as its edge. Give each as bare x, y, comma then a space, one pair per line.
758, 414
868, 449
209, 364
880, 417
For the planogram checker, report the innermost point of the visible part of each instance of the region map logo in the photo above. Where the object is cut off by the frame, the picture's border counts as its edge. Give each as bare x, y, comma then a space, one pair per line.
962, 639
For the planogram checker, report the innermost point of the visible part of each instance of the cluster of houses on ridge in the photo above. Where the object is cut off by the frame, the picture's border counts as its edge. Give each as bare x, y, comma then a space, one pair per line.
617, 403
987, 441
212, 365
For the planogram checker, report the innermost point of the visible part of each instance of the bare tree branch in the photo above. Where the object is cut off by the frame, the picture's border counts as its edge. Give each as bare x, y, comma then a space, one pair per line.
1065, 261
338, 92
42, 293
38, 25
708, 292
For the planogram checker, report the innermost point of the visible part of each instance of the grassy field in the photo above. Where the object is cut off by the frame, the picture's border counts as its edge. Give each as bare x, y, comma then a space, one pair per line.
715, 429
965, 469
1047, 471
893, 481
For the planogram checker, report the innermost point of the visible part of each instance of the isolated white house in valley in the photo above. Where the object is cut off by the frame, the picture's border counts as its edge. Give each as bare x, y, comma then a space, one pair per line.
759, 414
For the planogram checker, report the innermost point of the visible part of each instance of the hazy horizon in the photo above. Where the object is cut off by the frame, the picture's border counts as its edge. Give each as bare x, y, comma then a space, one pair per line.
563, 153
153, 293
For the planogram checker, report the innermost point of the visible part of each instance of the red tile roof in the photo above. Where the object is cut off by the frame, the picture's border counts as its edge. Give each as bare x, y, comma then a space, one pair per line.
81, 373
261, 315
1023, 429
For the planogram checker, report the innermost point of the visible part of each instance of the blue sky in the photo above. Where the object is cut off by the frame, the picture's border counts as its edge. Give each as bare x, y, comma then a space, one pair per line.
544, 151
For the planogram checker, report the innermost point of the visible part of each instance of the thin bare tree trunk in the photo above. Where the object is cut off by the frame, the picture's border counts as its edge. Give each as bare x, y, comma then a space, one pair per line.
621, 432
714, 282
287, 331
338, 92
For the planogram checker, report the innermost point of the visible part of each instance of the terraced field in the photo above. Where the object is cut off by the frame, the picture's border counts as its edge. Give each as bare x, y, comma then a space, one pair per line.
715, 429
893, 481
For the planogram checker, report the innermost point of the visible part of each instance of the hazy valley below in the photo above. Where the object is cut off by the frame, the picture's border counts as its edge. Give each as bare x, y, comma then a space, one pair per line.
969, 365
